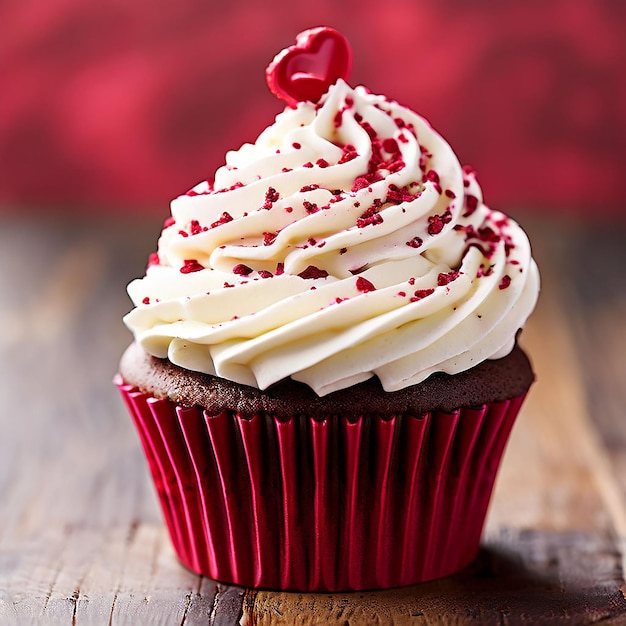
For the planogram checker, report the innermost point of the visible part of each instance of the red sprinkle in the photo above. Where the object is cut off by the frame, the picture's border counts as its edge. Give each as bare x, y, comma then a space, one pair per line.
191, 265
364, 285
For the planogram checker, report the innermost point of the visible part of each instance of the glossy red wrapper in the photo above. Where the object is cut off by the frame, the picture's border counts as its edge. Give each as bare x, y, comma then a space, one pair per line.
322, 504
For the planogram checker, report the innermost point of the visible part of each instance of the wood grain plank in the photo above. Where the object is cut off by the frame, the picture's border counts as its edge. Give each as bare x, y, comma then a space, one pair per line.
523, 577
81, 537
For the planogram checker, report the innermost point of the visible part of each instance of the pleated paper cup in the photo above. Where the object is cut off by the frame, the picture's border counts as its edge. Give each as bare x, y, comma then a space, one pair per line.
322, 503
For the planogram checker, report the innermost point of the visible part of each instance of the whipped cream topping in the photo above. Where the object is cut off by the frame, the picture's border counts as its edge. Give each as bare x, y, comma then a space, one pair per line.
346, 242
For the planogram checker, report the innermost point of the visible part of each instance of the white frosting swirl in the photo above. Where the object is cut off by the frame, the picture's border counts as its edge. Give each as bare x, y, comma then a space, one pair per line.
346, 242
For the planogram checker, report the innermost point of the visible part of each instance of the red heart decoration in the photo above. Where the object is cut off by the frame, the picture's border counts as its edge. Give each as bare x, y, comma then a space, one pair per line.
305, 71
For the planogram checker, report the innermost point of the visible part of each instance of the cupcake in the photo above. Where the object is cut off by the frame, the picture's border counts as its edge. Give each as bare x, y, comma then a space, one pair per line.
325, 367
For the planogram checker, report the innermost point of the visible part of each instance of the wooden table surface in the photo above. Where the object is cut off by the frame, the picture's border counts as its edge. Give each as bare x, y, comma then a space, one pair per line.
81, 537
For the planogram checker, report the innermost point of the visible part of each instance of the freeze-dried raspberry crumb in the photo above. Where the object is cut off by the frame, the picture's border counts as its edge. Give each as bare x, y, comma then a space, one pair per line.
313, 272
296, 145
487, 234
445, 278
367, 127
421, 293
265, 274
224, 219
343, 250
309, 188
435, 225
169, 221
505, 282
364, 285
398, 195
242, 270
370, 216
191, 265
322, 163
349, 153
471, 204
268, 238
391, 145
196, 228
146, 300
310, 207
280, 269
416, 242
237, 185
271, 196
153, 259
360, 182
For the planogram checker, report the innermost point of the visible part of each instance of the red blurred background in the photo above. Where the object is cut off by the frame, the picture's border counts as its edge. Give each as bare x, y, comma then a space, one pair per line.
124, 105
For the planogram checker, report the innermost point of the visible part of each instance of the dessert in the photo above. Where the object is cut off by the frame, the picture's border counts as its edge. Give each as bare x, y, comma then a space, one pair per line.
325, 367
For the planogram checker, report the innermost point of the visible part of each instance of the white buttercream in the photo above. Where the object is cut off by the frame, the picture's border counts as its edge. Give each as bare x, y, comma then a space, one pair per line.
243, 320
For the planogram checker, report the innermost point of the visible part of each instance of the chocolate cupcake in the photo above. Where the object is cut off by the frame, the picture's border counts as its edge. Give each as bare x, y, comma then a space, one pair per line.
325, 368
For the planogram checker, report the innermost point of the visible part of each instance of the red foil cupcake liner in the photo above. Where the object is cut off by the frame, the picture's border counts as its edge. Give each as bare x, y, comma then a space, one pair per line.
330, 504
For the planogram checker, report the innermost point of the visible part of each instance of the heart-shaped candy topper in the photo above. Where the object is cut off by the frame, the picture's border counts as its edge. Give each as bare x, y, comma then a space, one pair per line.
305, 71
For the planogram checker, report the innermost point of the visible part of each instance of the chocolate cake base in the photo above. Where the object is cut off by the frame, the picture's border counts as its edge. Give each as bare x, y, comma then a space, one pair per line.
488, 382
